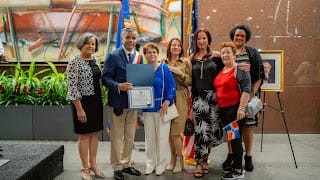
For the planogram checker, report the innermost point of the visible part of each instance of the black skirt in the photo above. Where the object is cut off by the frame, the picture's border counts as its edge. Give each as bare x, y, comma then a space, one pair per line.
92, 106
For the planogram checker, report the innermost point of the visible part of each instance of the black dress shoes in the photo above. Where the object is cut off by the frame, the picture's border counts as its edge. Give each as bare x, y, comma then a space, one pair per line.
118, 175
132, 171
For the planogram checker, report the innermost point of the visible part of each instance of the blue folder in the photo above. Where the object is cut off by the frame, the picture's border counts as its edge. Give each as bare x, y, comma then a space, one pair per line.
140, 74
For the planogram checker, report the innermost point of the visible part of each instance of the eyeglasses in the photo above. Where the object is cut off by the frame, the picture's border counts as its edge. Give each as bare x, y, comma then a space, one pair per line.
240, 35
152, 52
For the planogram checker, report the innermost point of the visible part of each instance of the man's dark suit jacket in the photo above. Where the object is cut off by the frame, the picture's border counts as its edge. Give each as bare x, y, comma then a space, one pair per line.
114, 74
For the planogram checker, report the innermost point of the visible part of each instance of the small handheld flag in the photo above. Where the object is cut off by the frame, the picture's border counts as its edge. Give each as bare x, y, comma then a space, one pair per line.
233, 131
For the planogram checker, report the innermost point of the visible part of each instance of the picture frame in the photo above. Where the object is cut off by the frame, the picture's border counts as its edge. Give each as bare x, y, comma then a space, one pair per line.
273, 61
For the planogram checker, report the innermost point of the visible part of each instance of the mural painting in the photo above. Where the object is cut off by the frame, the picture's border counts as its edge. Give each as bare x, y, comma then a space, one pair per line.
47, 30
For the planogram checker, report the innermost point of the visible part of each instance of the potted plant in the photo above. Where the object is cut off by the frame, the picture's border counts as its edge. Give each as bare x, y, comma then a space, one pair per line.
18, 89
36, 108
54, 88
22, 87
52, 118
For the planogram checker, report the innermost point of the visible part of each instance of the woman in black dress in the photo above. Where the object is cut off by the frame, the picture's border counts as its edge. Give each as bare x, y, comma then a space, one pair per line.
208, 129
83, 74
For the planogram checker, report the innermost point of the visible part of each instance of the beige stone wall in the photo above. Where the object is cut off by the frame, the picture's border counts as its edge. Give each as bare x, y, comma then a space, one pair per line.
289, 25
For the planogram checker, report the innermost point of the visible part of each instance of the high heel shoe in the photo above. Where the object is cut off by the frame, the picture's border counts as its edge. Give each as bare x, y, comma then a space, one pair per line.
172, 163
198, 171
86, 174
205, 167
97, 172
179, 164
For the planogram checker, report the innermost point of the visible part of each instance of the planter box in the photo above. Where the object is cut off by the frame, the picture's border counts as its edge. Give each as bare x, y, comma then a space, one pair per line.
16, 122
28, 122
53, 123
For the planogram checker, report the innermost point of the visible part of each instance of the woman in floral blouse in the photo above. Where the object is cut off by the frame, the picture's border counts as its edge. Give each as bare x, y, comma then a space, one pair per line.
84, 74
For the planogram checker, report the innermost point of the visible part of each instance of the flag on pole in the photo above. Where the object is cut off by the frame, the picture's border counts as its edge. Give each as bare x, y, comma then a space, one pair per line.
126, 9
193, 23
120, 26
233, 131
124, 16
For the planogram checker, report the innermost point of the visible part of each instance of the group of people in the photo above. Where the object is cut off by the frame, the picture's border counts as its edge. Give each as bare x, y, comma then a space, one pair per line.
221, 84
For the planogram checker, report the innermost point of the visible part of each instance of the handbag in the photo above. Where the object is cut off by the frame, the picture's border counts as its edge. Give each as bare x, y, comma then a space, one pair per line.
172, 111
189, 126
254, 106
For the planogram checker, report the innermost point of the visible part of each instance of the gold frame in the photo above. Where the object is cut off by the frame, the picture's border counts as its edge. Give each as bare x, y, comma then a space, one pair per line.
275, 58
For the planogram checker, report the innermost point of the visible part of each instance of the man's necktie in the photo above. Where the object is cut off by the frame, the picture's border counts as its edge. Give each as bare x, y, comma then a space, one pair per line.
130, 57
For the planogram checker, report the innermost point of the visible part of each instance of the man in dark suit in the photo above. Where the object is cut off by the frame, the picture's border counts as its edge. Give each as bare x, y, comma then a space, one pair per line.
122, 119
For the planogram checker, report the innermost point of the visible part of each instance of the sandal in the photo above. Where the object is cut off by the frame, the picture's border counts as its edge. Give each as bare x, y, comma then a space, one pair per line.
205, 168
97, 172
198, 172
86, 174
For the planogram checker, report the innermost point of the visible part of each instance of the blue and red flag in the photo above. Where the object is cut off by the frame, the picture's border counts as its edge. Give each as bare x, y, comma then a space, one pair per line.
193, 23
188, 142
124, 15
233, 131
120, 26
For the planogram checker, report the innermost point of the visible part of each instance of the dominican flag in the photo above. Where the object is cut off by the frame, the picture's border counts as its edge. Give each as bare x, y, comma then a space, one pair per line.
233, 131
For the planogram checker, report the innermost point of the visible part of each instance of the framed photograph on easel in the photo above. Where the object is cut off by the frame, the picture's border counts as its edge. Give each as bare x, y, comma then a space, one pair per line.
273, 62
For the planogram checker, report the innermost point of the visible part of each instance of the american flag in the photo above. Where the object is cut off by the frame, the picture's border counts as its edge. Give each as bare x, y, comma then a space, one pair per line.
193, 23
233, 131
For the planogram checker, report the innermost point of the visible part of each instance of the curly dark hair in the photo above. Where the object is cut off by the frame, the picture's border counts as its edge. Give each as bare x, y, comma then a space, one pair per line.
242, 27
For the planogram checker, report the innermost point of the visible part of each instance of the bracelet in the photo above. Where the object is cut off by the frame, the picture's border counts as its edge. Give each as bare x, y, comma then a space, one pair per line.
242, 108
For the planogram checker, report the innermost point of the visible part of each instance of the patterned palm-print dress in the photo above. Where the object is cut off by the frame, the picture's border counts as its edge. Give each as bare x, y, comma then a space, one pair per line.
208, 126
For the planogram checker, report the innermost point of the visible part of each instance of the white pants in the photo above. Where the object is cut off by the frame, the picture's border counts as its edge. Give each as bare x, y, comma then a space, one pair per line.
157, 142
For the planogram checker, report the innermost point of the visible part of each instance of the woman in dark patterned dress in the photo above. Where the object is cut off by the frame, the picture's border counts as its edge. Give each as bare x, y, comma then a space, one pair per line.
208, 132
84, 74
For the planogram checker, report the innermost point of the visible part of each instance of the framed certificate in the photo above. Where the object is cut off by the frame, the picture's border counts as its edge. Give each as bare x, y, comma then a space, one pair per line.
141, 97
